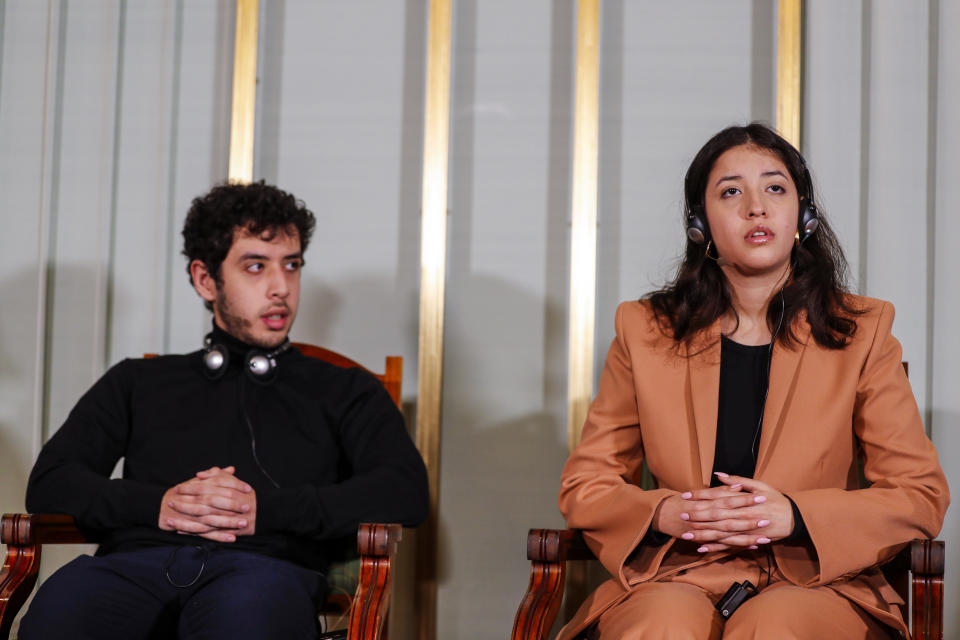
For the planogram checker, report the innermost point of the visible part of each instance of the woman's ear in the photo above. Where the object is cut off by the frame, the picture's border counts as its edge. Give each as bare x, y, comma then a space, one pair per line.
203, 280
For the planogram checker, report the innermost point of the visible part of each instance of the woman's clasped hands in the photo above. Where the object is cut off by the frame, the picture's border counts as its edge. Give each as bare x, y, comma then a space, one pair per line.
741, 513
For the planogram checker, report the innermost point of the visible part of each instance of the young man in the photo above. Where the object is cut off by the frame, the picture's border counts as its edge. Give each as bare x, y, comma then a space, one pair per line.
243, 461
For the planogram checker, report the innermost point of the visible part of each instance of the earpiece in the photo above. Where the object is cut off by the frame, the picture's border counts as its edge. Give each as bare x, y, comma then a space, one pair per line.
260, 365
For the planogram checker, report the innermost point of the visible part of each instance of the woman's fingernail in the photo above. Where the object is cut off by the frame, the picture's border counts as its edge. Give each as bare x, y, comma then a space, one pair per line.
759, 499
753, 546
242, 524
763, 540
687, 536
762, 523
686, 495
703, 549
734, 487
684, 516
721, 474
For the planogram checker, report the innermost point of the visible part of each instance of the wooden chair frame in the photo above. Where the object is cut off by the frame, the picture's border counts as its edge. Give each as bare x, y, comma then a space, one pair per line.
25, 534
920, 565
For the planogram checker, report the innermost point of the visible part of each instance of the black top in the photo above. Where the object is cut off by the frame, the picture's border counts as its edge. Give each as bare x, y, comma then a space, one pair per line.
331, 438
743, 389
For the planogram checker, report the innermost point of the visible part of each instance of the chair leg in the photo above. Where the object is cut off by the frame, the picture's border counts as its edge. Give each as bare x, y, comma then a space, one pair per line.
541, 603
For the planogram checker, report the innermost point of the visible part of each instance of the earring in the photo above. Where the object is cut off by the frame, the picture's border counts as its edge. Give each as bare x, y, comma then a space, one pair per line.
796, 238
706, 252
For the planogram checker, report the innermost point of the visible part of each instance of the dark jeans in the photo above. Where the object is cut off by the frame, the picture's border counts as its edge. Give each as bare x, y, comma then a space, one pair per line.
184, 592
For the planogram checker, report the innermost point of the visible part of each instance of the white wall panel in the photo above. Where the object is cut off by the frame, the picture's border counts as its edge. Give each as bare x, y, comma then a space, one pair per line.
83, 193
833, 115
142, 190
896, 223
945, 401
504, 439
30, 42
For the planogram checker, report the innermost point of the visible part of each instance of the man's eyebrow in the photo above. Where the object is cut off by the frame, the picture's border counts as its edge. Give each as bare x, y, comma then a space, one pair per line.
259, 256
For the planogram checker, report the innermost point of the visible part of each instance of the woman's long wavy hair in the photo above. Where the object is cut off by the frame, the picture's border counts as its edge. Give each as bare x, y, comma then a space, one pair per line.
700, 294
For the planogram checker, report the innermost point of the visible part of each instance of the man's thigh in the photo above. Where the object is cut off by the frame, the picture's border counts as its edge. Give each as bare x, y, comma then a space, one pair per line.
246, 595
121, 595
661, 611
796, 613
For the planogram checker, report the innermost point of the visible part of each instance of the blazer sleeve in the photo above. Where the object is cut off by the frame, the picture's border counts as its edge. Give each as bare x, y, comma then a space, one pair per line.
600, 492
851, 530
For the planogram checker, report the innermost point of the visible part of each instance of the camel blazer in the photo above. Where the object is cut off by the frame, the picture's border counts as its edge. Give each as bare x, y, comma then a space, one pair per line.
659, 402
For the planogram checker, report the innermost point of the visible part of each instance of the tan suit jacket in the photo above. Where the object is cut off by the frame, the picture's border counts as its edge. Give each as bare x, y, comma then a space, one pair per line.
658, 402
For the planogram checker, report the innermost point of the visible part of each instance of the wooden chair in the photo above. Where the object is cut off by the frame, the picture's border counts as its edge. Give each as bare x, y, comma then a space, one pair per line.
919, 563
25, 534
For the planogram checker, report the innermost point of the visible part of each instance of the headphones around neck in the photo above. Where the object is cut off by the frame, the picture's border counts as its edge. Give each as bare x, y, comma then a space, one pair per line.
260, 365
698, 230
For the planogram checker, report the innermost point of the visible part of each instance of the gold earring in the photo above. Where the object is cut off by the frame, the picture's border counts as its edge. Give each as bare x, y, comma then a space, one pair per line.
796, 238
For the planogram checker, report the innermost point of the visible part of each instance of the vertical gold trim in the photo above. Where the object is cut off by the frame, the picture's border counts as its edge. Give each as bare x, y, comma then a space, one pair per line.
583, 234
789, 68
583, 249
244, 92
433, 258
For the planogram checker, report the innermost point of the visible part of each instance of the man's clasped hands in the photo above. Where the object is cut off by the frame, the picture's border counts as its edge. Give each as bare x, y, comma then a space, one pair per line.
214, 504
741, 513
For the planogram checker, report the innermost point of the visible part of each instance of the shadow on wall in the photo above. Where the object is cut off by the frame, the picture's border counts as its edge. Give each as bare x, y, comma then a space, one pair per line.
504, 445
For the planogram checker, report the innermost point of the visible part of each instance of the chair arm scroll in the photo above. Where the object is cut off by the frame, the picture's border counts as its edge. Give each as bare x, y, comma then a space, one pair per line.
927, 565
377, 546
24, 534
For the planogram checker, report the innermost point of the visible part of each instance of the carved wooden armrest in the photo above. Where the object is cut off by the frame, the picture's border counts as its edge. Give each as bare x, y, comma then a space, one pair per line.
926, 566
24, 534
377, 546
548, 551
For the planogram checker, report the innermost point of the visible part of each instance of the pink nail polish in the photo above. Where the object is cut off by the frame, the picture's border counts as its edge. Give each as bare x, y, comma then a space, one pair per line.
687, 536
763, 540
734, 487
686, 495
703, 549
759, 499
762, 523
721, 474
684, 516
753, 546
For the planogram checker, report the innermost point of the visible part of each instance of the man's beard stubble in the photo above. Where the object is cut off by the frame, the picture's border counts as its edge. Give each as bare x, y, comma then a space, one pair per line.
240, 327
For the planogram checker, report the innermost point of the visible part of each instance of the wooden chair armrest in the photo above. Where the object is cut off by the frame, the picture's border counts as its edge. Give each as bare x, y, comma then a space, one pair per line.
377, 546
548, 551
24, 534
926, 558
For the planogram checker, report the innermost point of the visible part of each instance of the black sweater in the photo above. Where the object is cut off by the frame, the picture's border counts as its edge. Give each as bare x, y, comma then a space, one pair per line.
332, 439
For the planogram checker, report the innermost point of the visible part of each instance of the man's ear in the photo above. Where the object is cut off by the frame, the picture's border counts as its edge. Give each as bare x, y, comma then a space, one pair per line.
203, 280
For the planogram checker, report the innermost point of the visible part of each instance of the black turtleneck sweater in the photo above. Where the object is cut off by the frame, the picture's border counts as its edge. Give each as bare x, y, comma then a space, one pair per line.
331, 438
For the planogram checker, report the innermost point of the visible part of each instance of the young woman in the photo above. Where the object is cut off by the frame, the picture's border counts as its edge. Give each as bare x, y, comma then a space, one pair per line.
751, 385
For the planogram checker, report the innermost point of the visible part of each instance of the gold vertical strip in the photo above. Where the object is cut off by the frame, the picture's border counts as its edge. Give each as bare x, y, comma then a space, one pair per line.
433, 258
244, 92
583, 234
583, 249
789, 68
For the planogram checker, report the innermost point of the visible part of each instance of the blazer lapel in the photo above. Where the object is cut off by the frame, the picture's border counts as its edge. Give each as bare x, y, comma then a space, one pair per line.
784, 371
703, 393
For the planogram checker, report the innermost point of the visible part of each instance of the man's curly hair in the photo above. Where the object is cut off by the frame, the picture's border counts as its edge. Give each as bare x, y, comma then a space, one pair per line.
213, 218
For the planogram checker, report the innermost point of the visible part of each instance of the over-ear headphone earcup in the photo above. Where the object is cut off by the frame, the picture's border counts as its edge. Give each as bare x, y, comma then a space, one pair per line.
697, 229
216, 359
809, 220
261, 366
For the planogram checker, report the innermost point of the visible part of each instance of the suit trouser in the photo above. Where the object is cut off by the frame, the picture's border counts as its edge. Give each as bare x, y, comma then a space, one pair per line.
681, 607
183, 592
